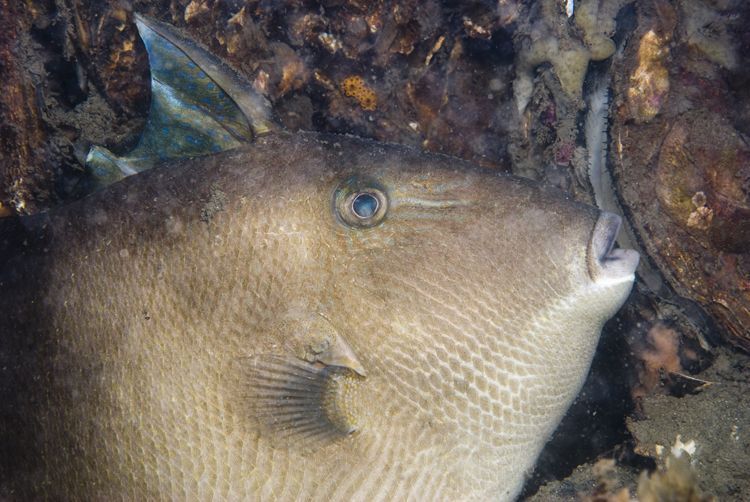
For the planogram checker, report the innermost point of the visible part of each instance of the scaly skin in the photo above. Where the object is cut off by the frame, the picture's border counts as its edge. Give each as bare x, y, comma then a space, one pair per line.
471, 307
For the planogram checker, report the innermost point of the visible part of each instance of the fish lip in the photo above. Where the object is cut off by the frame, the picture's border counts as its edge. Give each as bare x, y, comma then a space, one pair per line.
608, 266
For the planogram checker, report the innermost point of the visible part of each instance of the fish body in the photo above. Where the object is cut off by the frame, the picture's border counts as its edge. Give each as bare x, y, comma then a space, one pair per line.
302, 317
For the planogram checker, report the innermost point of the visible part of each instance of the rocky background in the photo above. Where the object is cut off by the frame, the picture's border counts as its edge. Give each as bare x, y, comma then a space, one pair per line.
510, 85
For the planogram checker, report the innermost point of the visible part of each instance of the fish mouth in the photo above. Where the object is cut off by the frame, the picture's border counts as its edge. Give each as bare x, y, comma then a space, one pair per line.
609, 266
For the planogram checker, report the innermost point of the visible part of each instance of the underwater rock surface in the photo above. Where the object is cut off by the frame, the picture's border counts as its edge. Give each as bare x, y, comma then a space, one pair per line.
501, 83
681, 155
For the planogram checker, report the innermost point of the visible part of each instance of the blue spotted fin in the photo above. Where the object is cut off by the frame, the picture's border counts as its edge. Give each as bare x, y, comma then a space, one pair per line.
198, 106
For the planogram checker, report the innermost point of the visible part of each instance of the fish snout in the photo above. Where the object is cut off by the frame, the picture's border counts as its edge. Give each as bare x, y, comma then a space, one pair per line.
608, 266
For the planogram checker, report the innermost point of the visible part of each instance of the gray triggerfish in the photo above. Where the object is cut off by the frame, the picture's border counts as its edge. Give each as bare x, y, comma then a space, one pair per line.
246, 313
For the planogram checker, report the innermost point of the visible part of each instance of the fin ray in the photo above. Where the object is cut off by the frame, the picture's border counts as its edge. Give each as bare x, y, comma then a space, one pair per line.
295, 399
198, 106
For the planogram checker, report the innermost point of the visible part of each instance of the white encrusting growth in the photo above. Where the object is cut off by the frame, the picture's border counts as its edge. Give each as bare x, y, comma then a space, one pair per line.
596, 144
601, 180
679, 448
569, 7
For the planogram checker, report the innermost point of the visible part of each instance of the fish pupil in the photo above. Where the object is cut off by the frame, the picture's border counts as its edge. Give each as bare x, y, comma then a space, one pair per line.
365, 205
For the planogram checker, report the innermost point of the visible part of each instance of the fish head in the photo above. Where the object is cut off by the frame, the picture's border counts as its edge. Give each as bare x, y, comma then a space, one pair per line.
429, 233
472, 301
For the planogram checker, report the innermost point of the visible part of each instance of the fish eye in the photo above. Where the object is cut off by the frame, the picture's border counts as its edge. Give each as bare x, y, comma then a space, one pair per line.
365, 205
360, 203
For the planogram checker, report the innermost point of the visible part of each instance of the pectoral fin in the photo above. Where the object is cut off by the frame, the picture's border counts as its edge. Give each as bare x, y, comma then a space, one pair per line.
292, 397
198, 106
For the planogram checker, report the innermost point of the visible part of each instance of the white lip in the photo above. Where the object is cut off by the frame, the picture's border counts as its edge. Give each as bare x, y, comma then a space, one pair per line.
608, 266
